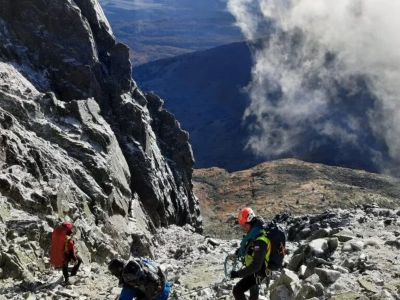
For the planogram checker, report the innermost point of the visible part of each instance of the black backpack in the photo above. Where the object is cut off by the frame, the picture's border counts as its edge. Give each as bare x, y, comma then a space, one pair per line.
143, 275
277, 236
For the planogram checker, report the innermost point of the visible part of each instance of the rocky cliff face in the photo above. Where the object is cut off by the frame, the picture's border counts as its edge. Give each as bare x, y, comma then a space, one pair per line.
79, 140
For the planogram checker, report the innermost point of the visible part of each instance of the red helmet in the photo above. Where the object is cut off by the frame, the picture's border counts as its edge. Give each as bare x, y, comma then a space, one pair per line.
67, 226
246, 214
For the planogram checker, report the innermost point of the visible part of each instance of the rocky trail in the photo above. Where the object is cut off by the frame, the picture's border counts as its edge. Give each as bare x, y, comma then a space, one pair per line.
81, 142
340, 254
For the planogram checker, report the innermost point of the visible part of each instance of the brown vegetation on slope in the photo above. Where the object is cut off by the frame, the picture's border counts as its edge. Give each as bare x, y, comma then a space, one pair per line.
287, 185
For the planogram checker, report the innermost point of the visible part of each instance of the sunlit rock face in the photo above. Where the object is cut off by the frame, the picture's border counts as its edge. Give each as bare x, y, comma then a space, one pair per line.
79, 140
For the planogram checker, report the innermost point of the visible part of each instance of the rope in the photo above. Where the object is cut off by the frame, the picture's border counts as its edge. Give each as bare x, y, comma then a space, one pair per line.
234, 265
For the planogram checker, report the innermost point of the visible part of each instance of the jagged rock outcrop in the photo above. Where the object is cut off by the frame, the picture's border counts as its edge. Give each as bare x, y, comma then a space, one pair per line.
79, 140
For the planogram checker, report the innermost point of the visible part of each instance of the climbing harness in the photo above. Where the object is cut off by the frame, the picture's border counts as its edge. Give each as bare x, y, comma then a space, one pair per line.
263, 279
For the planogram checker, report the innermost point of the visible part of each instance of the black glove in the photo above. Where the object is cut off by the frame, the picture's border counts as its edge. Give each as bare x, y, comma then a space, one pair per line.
234, 274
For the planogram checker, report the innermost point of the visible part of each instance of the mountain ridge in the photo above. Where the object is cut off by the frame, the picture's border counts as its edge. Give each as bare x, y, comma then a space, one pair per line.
208, 100
213, 105
159, 29
288, 186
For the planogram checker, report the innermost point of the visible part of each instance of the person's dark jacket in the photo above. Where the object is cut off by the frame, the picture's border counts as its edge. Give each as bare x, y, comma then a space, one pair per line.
259, 248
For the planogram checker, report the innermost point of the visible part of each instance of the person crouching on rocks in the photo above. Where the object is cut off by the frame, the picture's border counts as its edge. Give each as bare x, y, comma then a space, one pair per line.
140, 279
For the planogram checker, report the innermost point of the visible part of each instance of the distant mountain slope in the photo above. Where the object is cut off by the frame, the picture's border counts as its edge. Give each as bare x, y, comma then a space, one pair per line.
287, 185
204, 91
166, 28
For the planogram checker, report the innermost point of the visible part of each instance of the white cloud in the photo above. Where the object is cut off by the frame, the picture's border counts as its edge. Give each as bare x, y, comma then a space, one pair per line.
362, 36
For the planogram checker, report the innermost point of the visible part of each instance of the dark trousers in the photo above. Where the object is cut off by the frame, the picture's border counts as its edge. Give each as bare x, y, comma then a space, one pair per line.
245, 284
67, 260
